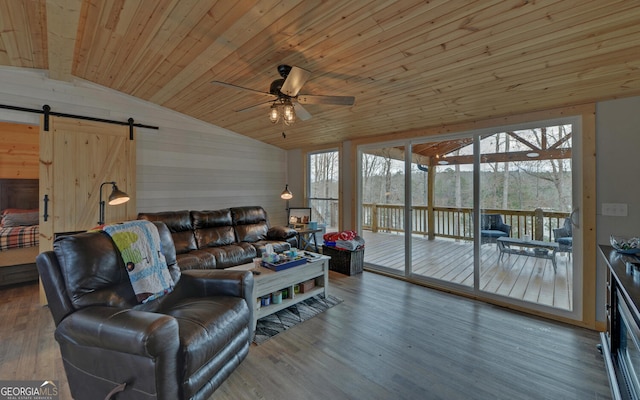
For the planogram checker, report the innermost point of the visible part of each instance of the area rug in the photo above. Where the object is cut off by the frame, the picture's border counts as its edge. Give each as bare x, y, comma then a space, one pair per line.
269, 326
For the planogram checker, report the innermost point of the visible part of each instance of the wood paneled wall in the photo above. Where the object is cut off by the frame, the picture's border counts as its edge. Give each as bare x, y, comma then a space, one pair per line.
18, 151
186, 164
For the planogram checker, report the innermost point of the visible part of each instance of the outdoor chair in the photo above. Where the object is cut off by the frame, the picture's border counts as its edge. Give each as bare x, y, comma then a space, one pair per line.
564, 237
492, 227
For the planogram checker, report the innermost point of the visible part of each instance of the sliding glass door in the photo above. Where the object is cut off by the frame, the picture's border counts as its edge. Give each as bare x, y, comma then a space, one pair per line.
487, 212
382, 207
525, 198
441, 211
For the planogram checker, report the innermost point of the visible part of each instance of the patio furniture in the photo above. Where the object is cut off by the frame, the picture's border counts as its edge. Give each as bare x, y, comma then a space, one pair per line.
564, 237
492, 227
530, 248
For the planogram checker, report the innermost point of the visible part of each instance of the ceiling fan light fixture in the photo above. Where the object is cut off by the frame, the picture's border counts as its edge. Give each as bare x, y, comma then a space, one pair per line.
274, 114
284, 94
289, 113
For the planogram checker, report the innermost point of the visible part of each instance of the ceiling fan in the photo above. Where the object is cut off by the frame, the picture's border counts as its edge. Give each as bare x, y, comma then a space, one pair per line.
285, 98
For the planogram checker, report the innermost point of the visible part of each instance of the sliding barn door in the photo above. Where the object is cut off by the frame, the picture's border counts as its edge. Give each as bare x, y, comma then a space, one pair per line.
76, 156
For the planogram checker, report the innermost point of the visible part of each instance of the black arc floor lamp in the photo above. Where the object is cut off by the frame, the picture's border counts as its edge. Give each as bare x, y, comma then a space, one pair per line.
116, 197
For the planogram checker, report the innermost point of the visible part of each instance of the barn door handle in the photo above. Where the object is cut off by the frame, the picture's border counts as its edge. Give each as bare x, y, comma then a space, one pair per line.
46, 207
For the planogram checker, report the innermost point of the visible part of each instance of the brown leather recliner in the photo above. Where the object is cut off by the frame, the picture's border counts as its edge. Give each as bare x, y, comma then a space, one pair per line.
180, 346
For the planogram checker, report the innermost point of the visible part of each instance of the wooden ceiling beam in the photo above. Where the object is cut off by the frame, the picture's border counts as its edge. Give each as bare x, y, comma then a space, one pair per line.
63, 18
556, 154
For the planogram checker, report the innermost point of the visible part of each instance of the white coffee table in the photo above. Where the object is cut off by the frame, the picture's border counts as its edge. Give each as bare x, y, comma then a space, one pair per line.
269, 281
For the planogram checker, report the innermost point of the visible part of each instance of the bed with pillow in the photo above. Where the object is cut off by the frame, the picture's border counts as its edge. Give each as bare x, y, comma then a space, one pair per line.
19, 235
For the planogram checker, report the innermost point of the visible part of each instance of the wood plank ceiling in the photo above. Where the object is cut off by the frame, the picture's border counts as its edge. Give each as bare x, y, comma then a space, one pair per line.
410, 64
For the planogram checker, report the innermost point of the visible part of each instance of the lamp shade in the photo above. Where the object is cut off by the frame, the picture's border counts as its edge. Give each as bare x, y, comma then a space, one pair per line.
286, 193
117, 196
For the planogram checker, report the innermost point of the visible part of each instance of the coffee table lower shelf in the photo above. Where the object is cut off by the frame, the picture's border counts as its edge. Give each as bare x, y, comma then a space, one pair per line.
269, 281
263, 311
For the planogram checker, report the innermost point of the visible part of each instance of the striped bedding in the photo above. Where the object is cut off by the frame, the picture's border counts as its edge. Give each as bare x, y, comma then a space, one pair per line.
18, 237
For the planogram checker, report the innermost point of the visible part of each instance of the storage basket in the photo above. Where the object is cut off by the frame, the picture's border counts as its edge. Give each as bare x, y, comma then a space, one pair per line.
306, 286
345, 261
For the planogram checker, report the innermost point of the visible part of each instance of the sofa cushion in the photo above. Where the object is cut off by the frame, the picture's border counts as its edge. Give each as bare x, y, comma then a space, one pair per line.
251, 223
196, 259
493, 233
232, 255
565, 241
213, 228
179, 224
252, 233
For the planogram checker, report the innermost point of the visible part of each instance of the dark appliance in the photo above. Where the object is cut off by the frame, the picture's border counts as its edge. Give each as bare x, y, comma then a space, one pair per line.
621, 343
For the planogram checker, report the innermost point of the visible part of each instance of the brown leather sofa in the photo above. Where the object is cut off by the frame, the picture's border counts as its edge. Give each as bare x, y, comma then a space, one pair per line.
182, 345
222, 238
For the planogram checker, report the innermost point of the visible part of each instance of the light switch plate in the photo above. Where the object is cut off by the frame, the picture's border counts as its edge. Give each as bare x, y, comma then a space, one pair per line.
614, 209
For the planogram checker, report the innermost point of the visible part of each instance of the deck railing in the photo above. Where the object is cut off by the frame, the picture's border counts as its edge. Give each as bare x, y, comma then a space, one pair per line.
457, 223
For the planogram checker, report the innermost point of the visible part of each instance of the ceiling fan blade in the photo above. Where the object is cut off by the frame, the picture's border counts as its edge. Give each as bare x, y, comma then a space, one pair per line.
295, 80
335, 100
301, 112
229, 85
253, 107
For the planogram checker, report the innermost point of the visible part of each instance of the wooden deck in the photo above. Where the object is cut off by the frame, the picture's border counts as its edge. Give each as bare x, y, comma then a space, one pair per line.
521, 277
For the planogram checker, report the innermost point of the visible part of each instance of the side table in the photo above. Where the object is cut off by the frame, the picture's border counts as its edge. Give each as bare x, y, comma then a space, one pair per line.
307, 239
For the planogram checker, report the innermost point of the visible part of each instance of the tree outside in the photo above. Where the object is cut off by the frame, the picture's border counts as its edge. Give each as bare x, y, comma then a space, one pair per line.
324, 174
519, 170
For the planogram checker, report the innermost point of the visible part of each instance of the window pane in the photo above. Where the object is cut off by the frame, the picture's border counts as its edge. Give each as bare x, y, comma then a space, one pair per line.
324, 176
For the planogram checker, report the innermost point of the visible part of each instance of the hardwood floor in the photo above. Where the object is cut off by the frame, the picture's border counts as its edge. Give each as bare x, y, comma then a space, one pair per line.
389, 339
28, 350
521, 277
393, 340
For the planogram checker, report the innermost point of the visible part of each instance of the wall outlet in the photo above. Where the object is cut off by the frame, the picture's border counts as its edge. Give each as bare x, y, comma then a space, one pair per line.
614, 209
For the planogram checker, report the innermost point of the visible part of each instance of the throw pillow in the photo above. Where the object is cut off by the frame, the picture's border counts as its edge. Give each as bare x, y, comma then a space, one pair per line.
18, 210
20, 219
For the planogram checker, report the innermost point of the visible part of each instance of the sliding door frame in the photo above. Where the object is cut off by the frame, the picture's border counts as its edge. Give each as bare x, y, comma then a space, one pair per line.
583, 119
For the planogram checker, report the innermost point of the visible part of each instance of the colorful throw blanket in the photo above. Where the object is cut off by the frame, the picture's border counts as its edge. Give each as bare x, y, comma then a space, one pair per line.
139, 244
346, 240
344, 235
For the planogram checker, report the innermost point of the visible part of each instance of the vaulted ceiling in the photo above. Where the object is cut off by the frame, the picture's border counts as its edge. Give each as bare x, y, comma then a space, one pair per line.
410, 64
